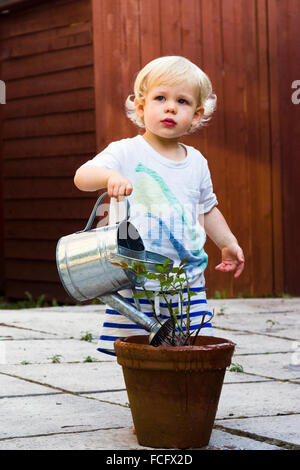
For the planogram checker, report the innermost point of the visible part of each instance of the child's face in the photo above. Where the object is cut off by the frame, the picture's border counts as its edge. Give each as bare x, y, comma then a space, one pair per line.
170, 110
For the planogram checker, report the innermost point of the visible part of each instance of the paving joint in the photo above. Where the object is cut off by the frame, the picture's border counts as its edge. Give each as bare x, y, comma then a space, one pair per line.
257, 437
28, 436
7, 325
257, 416
61, 393
248, 332
272, 379
64, 391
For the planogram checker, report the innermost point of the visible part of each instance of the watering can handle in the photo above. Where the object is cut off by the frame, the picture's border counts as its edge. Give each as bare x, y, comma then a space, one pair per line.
93, 213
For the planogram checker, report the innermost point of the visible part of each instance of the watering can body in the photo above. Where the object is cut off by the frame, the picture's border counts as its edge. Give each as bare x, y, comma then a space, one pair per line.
84, 263
84, 259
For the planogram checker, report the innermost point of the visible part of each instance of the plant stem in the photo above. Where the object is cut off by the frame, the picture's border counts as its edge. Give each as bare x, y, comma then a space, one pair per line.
152, 304
201, 325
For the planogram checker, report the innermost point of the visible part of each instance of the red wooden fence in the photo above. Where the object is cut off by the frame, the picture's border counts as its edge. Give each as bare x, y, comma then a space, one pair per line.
49, 130
69, 66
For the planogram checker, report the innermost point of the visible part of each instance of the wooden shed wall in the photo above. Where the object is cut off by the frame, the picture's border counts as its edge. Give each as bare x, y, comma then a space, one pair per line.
48, 131
250, 49
55, 119
285, 127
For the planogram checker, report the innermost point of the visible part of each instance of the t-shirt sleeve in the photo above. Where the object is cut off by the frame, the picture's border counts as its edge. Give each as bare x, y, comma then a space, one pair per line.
208, 198
110, 158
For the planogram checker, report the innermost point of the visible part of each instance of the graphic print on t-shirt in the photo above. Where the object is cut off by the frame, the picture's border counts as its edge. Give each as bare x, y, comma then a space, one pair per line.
166, 220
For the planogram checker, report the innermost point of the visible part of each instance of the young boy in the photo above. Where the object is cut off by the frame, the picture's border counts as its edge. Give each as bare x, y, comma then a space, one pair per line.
168, 184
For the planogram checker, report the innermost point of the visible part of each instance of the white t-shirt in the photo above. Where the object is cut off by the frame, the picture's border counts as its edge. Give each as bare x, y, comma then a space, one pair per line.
166, 200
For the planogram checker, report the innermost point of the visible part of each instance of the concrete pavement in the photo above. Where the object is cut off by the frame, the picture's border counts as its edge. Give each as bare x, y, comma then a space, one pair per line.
58, 392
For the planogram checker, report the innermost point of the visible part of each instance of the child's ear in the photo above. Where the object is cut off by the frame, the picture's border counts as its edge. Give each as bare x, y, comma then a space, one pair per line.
139, 107
197, 116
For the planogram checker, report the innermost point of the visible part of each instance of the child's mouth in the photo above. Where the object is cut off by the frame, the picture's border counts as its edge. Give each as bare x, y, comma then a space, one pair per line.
169, 122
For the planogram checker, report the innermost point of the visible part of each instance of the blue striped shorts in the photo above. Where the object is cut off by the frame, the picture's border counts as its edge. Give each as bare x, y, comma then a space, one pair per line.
117, 326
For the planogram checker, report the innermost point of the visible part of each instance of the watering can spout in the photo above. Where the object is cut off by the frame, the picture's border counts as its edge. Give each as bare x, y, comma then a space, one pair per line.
159, 332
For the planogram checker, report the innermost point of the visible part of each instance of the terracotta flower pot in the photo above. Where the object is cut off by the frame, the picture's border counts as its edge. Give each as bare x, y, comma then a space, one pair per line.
174, 391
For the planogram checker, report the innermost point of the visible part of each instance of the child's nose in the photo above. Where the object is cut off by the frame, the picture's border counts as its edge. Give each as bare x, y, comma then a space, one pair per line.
170, 107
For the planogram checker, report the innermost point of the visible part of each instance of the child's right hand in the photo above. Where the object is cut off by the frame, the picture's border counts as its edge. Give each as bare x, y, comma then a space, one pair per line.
118, 186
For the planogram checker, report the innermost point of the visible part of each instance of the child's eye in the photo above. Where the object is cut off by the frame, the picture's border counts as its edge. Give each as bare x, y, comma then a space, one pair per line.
160, 98
182, 101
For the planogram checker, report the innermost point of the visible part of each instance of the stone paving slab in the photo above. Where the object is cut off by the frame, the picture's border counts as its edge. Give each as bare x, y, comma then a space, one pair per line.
42, 351
274, 366
11, 386
256, 305
47, 414
85, 377
251, 343
10, 333
286, 325
122, 439
62, 324
284, 428
258, 399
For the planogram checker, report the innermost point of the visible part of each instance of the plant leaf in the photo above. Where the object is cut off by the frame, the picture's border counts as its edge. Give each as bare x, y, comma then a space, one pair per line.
183, 261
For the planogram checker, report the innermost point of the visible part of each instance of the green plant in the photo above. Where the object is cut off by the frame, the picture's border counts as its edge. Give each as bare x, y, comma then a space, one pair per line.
87, 337
95, 302
220, 295
90, 359
271, 323
236, 367
171, 282
24, 363
30, 302
222, 310
55, 359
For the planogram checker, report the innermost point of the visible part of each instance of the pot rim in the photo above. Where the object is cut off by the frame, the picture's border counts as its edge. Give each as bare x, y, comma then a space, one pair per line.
206, 347
144, 356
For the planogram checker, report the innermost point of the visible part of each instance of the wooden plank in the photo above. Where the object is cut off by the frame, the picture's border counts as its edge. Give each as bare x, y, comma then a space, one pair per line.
31, 270
72, 35
235, 53
55, 124
20, 249
121, 37
50, 146
260, 164
47, 62
210, 140
51, 15
13, 6
130, 62
2, 260
44, 229
99, 70
192, 28
41, 188
56, 82
52, 209
59, 167
63, 102
278, 254
150, 32
171, 42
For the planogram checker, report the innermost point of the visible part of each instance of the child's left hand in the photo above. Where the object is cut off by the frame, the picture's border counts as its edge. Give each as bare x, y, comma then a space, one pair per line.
232, 259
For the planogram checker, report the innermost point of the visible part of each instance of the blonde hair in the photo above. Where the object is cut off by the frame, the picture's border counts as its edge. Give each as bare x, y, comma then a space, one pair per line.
172, 70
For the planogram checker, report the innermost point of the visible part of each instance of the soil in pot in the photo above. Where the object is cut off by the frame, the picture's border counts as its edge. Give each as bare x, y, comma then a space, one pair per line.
174, 391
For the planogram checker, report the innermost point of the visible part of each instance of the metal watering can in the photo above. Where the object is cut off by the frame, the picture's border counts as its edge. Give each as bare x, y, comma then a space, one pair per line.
84, 265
